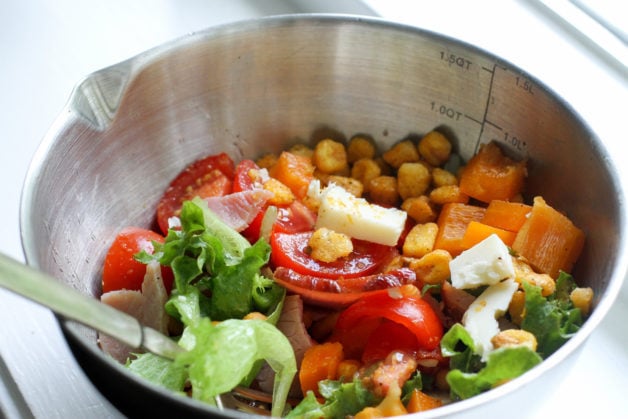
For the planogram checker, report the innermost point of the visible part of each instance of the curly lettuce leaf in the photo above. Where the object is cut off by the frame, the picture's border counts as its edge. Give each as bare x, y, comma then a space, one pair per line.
218, 277
502, 365
212, 257
341, 400
553, 320
220, 357
458, 345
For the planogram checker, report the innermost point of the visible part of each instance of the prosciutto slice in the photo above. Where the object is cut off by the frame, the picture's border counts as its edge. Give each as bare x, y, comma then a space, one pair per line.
146, 306
291, 324
238, 209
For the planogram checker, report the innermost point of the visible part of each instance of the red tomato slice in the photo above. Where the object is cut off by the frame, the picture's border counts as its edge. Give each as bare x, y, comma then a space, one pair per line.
387, 337
291, 251
403, 306
121, 271
339, 293
295, 218
245, 179
210, 176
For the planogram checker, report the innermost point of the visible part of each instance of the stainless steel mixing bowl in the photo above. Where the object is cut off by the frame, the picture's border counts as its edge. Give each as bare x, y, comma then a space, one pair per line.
256, 86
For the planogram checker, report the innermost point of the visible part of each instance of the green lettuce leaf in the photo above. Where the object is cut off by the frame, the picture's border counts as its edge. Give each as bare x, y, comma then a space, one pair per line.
209, 255
553, 320
159, 371
458, 345
502, 364
222, 356
341, 400
218, 277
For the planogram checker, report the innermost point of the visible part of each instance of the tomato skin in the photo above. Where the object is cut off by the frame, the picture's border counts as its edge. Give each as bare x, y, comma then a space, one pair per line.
295, 218
387, 337
121, 270
210, 176
291, 251
342, 292
403, 306
244, 179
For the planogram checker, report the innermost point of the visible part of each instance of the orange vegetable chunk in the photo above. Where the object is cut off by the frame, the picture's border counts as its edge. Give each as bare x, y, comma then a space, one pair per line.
477, 231
453, 221
492, 175
320, 362
420, 402
506, 215
549, 240
294, 171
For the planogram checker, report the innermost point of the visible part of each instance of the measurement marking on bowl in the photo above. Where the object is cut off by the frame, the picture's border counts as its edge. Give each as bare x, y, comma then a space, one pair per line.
480, 112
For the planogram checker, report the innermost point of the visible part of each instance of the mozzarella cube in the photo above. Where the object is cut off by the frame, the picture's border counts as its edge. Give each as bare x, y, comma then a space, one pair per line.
480, 319
486, 263
343, 212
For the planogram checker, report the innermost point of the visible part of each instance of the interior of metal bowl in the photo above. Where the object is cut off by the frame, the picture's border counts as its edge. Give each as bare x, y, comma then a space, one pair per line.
258, 86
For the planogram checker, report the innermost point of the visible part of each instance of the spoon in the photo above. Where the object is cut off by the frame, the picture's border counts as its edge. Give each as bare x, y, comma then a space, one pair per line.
71, 304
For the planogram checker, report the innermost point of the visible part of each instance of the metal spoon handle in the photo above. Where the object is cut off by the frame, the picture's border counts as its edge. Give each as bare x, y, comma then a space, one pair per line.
71, 304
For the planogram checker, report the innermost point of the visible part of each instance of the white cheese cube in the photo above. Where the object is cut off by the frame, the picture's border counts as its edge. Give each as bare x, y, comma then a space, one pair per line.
480, 319
343, 212
486, 263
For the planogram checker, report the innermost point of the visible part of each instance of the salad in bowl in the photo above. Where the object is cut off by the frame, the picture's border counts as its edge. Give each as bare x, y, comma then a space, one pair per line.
340, 280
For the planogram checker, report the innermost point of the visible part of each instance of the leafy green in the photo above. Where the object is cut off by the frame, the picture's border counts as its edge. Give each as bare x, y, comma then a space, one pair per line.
502, 364
458, 344
341, 400
210, 256
225, 353
159, 371
553, 320
218, 277
414, 383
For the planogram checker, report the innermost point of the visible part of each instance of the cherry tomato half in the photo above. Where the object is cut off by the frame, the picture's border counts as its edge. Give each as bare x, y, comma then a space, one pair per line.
210, 176
121, 271
245, 176
403, 306
291, 251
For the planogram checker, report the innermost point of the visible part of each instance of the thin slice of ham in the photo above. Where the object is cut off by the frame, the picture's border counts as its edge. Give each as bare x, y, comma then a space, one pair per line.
146, 306
238, 209
291, 324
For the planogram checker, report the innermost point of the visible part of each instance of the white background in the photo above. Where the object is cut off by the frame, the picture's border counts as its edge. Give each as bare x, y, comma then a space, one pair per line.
47, 46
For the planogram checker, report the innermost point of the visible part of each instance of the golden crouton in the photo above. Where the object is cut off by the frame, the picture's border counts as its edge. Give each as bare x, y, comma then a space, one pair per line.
525, 273
301, 149
516, 308
442, 177
360, 147
364, 170
267, 161
382, 190
420, 209
330, 156
433, 267
514, 337
349, 184
434, 148
282, 195
582, 298
327, 245
448, 194
403, 152
420, 240
413, 179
